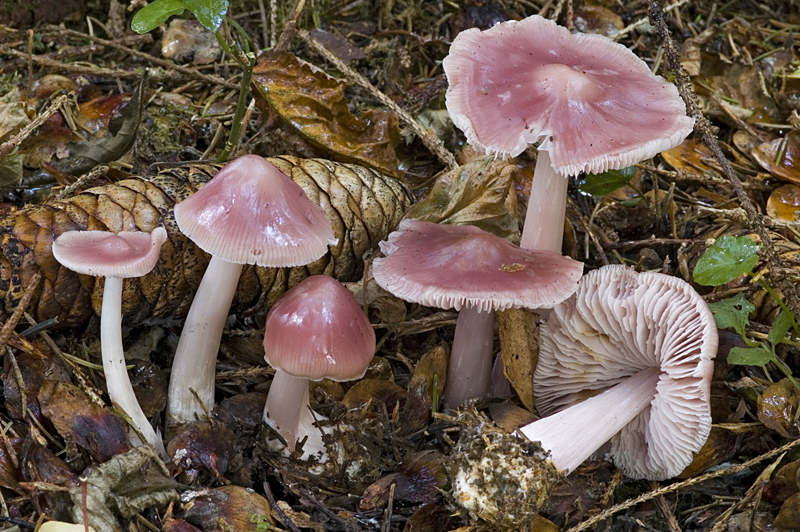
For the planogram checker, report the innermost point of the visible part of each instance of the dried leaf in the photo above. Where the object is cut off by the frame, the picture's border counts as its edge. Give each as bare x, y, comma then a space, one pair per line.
519, 347
125, 485
599, 20
784, 203
380, 395
315, 104
420, 479
202, 446
510, 417
789, 515
300, 519
431, 517
689, 156
61, 526
362, 206
390, 308
776, 408
480, 193
77, 419
780, 157
720, 447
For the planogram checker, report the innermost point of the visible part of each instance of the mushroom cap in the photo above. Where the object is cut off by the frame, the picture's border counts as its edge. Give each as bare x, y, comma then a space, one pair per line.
252, 213
450, 266
317, 330
618, 323
105, 254
596, 104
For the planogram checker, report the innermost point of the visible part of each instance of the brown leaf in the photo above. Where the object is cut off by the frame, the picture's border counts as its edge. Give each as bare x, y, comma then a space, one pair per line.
76, 418
519, 347
784, 203
599, 20
378, 394
776, 408
780, 157
480, 193
229, 508
315, 104
35, 367
417, 411
689, 156
720, 447
421, 478
784, 484
429, 517
202, 446
789, 515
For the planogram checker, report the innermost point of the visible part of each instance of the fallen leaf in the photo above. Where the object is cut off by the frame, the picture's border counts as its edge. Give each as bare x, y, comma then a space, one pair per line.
314, 103
202, 446
780, 157
420, 479
300, 519
77, 419
720, 447
432, 366
689, 156
229, 508
519, 347
784, 203
480, 193
431, 516
125, 485
380, 395
776, 408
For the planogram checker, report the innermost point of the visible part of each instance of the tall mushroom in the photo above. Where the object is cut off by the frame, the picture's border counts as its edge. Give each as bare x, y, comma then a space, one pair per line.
628, 358
315, 331
115, 257
469, 269
591, 102
250, 213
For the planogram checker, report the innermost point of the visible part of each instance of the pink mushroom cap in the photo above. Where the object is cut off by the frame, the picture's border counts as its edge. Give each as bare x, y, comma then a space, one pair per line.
105, 254
252, 213
450, 266
318, 330
596, 104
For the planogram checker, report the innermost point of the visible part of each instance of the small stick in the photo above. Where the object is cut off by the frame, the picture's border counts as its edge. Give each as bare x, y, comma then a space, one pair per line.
8, 327
282, 516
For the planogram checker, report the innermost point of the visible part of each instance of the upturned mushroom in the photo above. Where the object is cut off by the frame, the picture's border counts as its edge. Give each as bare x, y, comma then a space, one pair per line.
628, 358
591, 102
315, 331
115, 257
477, 273
250, 213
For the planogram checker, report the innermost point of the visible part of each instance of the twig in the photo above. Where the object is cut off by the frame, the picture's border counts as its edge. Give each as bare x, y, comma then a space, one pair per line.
88, 177
9, 325
8, 146
732, 470
704, 130
281, 515
72, 67
630, 27
290, 27
432, 142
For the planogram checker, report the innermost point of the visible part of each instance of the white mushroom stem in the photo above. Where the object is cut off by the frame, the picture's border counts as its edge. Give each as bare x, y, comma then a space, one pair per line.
288, 411
117, 380
196, 355
547, 205
469, 372
575, 433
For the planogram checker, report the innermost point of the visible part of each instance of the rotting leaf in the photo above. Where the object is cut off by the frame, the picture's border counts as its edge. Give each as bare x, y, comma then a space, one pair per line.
376, 393
720, 446
784, 203
777, 406
314, 103
729, 257
519, 347
202, 446
300, 519
781, 157
784, 484
431, 516
480, 193
12, 118
125, 485
689, 156
76, 418
789, 515
229, 508
420, 479
86, 154
431, 367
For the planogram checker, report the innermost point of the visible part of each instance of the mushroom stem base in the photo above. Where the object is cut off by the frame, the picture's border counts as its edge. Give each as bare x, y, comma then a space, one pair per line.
575, 433
469, 373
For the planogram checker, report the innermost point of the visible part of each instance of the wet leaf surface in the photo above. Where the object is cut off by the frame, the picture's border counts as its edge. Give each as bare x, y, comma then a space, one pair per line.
314, 103
780, 157
228, 508
777, 406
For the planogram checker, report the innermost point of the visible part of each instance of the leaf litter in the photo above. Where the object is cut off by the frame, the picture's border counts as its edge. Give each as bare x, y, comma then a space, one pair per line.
63, 451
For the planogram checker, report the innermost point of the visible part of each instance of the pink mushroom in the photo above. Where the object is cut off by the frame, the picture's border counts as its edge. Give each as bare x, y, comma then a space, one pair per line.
115, 257
628, 358
476, 272
591, 102
315, 331
250, 213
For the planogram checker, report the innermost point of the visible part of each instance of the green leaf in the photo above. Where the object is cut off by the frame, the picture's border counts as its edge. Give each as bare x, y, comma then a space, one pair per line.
727, 259
732, 312
750, 356
155, 14
208, 12
780, 327
607, 182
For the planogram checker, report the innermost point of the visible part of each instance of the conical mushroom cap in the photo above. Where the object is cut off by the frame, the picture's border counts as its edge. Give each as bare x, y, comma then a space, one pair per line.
596, 105
105, 254
252, 213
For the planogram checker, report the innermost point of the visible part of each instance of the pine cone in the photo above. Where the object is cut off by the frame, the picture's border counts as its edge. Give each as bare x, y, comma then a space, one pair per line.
362, 206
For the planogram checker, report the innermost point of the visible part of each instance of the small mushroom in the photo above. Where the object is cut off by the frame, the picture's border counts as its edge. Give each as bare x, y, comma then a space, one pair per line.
628, 358
476, 272
115, 257
315, 331
250, 213
591, 102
